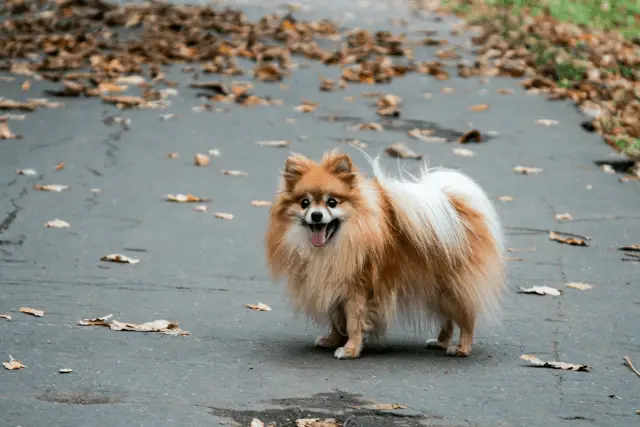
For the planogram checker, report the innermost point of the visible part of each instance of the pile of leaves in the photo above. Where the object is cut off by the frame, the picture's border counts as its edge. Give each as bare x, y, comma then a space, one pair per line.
598, 70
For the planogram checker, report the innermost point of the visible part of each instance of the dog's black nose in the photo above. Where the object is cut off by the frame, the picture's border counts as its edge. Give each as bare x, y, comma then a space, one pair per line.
316, 216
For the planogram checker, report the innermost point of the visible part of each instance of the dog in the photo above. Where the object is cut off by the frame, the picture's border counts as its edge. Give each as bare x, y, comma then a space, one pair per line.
359, 252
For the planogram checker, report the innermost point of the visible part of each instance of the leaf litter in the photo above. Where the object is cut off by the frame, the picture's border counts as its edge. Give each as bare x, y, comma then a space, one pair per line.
13, 364
568, 240
473, 135
260, 203
258, 307
402, 151
57, 223
165, 327
527, 170
536, 361
56, 188
32, 311
224, 215
185, 198
276, 144
463, 152
119, 258
201, 160
540, 290
564, 217
5, 316
234, 172
5, 132
27, 172
579, 286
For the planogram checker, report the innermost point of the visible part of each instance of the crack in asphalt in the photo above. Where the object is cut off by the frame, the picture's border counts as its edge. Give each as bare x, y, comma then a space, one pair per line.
11, 216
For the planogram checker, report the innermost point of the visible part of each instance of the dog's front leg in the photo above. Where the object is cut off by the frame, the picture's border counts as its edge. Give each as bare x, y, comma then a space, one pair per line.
355, 311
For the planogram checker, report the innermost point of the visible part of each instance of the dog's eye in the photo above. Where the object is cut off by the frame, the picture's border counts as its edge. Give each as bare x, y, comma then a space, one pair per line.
304, 203
332, 203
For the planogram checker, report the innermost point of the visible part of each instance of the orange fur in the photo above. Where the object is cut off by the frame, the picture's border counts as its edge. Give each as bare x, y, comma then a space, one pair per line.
378, 265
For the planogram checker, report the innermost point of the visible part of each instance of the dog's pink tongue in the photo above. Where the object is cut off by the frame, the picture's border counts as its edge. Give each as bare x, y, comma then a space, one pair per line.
318, 237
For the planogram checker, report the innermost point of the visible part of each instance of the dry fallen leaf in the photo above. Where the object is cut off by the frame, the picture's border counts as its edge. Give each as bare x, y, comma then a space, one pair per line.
473, 135
505, 198
173, 156
60, 166
564, 217
505, 91
234, 173
356, 143
111, 87
201, 208
258, 307
26, 85
119, 258
13, 364
164, 326
50, 187
201, 160
316, 422
533, 249
167, 117
579, 286
274, 143
223, 215
547, 122
534, 360
57, 223
5, 316
306, 106
214, 152
130, 80
574, 241
32, 311
421, 134
369, 126
260, 203
382, 406
188, 198
65, 370
5, 132
479, 108
27, 172
98, 321
631, 248
627, 361
448, 90
463, 152
400, 150
541, 290
526, 170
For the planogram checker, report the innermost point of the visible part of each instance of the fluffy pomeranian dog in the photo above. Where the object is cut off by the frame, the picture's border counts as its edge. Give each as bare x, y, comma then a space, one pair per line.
358, 253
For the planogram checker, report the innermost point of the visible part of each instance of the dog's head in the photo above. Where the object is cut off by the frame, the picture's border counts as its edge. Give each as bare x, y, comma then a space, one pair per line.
318, 198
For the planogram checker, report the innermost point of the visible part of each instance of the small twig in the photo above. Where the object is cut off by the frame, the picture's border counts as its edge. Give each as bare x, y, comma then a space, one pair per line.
630, 365
542, 230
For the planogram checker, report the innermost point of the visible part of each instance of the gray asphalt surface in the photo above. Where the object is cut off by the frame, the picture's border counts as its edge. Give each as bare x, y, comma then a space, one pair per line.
200, 270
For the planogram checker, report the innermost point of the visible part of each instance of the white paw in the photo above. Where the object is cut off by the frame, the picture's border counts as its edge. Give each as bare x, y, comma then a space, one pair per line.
340, 353
434, 343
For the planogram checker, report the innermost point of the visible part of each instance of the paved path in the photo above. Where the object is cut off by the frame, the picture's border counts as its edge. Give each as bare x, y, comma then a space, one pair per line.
200, 270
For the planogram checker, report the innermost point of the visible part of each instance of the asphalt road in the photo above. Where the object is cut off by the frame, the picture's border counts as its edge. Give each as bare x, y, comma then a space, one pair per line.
200, 270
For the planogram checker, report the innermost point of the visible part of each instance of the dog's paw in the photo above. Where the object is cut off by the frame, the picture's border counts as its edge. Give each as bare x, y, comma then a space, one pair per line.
326, 342
457, 351
346, 353
435, 344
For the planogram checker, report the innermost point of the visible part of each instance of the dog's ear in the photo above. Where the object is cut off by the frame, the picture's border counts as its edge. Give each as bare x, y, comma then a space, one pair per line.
340, 165
296, 166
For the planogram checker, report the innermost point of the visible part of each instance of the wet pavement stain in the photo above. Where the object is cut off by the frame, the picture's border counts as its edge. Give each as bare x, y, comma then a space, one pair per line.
79, 397
340, 406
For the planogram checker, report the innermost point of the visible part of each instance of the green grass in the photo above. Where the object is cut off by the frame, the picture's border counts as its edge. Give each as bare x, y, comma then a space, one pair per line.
621, 15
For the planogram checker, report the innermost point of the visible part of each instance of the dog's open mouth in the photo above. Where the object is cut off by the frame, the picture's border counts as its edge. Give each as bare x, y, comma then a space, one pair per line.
321, 233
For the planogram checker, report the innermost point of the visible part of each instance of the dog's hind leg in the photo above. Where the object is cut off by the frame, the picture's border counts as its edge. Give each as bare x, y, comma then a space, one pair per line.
463, 349
444, 337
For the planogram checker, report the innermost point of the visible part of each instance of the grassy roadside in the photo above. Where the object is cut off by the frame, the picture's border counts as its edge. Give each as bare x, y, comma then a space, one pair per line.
584, 50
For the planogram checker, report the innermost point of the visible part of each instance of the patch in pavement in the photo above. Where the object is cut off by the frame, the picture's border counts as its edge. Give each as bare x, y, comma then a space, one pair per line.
78, 397
337, 405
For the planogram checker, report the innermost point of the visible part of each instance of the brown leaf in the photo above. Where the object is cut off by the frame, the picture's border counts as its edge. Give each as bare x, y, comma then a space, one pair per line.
5, 132
57, 223
479, 108
5, 316
631, 248
119, 258
268, 73
188, 198
505, 198
564, 217
370, 126
579, 286
608, 169
9, 104
400, 150
32, 311
201, 160
164, 326
130, 80
65, 370
541, 290
535, 361
274, 143
258, 307
574, 241
526, 170
260, 203
57, 188
473, 135
60, 166
26, 85
224, 215
173, 156
234, 173
98, 321
111, 87
306, 106
13, 364
124, 101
